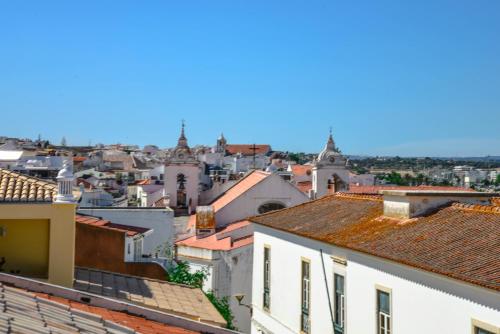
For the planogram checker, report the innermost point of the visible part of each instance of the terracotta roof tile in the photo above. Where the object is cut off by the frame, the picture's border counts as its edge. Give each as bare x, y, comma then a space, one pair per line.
218, 241
300, 170
246, 149
239, 188
304, 186
27, 312
167, 297
15, 187
103, 223
139, 324
460, 241
375, 189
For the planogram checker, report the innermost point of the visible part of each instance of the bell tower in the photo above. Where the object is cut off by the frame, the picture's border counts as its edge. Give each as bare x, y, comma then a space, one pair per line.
182, 176
329, 173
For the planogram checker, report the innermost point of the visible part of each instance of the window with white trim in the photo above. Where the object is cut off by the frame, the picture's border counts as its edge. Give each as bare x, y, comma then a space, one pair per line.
305, 321
383, 312
339, 300
267, 279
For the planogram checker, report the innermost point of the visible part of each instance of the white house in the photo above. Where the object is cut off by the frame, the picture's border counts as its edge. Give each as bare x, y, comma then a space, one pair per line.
222, 240
413, 262
226, 257
159, 220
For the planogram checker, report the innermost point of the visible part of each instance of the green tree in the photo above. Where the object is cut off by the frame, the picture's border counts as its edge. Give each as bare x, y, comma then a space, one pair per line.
182, 274
497, 181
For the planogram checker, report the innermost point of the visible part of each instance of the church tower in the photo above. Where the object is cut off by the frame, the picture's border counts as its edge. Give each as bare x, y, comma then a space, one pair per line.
182, 177
221, 144
329, 172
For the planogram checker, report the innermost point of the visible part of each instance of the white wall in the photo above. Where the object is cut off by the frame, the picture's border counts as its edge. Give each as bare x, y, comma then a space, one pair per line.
229, 273
271, 189
192, 174
422, 302
161, 221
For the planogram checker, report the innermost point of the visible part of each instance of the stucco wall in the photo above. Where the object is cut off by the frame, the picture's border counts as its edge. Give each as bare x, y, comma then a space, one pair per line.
25, 246
103, 249
434, 302
271, 189
192, 174
160, 220
61, 219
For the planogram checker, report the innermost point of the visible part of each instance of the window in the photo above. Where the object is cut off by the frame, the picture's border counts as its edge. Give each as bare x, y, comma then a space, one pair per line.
383, 312
339, 304
479, 327
267, 278
305, 324
270, 207
478, 330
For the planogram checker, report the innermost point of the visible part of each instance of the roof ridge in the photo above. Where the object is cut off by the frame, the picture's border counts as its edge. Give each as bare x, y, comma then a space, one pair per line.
361, 196
29, 178
476, 207
234, 185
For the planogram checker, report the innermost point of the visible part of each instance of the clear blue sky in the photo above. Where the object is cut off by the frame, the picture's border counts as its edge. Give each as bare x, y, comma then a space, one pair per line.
390, 77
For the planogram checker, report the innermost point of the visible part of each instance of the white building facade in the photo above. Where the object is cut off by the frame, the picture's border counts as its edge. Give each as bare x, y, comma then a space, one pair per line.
360, 264
420, 302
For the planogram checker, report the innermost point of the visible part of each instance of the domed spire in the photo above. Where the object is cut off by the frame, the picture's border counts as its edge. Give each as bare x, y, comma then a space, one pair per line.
329, 150
182, 142
330, 144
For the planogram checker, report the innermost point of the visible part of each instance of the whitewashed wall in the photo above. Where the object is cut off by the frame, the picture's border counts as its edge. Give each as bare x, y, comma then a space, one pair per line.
161, 221
271, 189
422, 302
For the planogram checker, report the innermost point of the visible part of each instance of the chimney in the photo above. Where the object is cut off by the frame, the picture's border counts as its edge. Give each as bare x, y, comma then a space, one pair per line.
65, 180
205, 220
406, 204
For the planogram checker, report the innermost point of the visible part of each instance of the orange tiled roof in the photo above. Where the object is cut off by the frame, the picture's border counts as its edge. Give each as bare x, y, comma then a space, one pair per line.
300, 170
375, 189
16, 187
304, 186
460, 241
79, 159
246, 149
216, 241
239, 188
139, 324
98, 222
27, 311
172, 298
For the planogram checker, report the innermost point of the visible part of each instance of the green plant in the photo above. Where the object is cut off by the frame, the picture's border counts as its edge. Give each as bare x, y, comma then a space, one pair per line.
181, 274
222, 305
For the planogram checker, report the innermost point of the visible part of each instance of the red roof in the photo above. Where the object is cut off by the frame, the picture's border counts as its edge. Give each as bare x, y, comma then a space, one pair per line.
79, 159
300, 170
137, 323
304, 186
242, 186
355, 189
219, 240
246, 149
460, 241
98, 222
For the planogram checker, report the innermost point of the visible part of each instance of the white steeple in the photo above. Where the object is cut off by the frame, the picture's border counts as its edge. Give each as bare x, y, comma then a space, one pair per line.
65, 180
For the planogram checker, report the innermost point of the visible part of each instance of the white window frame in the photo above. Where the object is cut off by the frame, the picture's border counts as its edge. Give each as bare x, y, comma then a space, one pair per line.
305, 296
477, 324
267, 277
383, 317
